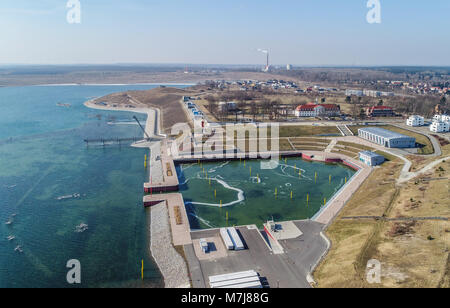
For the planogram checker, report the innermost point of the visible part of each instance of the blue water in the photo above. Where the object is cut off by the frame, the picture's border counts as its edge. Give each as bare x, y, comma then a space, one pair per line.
42, 157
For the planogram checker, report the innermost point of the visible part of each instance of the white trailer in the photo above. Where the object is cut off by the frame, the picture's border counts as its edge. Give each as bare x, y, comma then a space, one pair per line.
250, 285
237, 242
232, 276
226, 239
236, 283
248, 279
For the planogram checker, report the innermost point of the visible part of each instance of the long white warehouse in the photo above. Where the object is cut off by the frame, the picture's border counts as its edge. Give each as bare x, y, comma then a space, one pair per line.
237, 242
226, 239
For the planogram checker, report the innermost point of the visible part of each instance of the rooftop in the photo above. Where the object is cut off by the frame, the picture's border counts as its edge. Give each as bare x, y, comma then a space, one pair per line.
380, 108
383, 132
370, 154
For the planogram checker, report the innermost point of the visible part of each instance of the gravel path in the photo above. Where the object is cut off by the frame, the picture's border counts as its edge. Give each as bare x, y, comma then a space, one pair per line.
170, 263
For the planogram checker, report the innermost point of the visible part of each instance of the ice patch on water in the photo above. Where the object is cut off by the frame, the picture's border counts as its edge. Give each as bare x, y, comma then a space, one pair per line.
227, 186
186, 167
202, 220
283, 168
255, 180
214, 169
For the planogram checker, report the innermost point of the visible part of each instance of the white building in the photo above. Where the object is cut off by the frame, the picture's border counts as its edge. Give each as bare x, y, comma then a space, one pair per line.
441, 118
440, 127
227, 106
350, 92
317, 110
415, 121
371, 158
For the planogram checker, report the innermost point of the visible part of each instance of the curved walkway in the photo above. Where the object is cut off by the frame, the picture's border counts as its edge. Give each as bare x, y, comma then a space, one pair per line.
407, 176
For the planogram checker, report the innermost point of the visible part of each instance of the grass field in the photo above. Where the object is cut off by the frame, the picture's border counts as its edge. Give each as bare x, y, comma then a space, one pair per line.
308, 131
417, 257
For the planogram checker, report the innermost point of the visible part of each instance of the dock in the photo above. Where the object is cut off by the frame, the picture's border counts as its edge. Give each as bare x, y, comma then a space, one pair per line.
162, 173
117, 140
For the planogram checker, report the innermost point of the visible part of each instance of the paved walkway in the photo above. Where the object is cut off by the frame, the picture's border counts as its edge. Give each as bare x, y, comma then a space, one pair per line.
331, 146
407, 176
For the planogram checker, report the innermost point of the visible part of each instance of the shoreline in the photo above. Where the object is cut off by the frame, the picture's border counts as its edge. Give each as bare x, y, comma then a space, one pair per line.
171, 265
168, 84
112, 84
173, 268
152, 122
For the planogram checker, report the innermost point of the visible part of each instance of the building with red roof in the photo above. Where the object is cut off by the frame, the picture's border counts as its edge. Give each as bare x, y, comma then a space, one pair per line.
317, 110
380, 111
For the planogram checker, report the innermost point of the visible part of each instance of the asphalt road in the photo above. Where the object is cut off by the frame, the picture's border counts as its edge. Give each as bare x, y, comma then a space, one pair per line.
287, 270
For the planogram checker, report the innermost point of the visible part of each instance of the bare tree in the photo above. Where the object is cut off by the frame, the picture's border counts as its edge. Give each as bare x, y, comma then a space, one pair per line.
254, 110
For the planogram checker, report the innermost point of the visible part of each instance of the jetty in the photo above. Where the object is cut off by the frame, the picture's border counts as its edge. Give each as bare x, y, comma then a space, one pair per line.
162, 173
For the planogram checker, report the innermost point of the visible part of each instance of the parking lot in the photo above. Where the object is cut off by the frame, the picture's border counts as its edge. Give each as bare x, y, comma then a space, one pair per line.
286, 270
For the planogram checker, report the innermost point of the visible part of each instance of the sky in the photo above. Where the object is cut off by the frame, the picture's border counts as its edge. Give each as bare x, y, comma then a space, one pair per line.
298, 32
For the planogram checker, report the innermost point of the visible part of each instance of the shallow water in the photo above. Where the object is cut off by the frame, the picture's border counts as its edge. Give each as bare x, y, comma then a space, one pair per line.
266, 194
43, 157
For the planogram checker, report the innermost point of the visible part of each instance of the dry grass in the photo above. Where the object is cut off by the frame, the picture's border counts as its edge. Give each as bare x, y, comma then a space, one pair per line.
308, 131
419, 161
349, 154
168, 100
314, 140
416, 258
357, 146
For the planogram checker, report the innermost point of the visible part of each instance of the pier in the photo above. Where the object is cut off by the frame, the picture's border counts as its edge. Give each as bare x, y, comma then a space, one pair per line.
105, 141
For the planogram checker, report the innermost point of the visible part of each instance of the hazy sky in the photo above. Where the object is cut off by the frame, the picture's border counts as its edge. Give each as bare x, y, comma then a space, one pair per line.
302, 32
